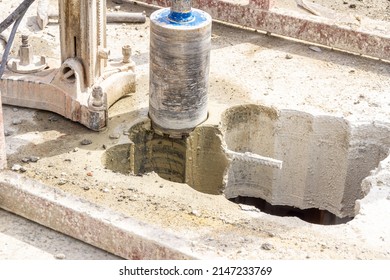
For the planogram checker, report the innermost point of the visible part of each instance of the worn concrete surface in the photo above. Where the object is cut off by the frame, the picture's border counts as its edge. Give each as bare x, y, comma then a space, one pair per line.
22, 239
247, 67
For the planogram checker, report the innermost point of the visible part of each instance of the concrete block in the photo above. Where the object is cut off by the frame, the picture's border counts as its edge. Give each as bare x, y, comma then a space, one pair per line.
96, 225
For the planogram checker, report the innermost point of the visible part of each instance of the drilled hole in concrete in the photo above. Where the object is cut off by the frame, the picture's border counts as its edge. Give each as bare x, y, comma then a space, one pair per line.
312, 215
152, 152
325, 160
196, 160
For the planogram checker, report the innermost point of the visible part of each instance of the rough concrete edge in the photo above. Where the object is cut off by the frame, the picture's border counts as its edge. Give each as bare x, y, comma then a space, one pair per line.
90, 223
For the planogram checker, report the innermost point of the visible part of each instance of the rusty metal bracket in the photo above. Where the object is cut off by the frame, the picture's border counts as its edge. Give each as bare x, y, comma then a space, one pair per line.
363, 36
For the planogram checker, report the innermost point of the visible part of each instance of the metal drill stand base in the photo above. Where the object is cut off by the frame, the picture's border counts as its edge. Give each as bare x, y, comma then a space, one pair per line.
60, 91
86, 84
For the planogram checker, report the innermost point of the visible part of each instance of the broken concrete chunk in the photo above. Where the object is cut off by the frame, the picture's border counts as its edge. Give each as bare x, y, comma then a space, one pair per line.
267, 246
25, 159
30, 159
114, 136
60, 256
34, 158
18, 168
62, 182
196, 213
86, 142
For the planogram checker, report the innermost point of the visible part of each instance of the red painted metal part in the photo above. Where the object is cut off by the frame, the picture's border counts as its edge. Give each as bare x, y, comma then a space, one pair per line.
370, 38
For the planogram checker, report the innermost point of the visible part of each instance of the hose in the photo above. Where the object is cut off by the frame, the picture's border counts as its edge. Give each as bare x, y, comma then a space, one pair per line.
16, 16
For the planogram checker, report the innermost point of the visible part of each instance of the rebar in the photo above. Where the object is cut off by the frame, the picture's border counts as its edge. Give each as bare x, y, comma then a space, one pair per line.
255, 158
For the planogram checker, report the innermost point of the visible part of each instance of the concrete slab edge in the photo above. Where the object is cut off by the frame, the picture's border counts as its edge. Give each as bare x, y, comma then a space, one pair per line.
93, 224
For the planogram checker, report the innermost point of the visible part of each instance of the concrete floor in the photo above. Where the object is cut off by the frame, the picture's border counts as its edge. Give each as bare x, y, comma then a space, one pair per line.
174, 215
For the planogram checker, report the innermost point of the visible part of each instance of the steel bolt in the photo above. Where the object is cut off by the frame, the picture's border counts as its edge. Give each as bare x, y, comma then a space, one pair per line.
14, 66
126, 52
25, 52
97, 94
25, 42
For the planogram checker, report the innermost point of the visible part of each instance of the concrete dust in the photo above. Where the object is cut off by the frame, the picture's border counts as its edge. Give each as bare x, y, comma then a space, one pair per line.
246, 67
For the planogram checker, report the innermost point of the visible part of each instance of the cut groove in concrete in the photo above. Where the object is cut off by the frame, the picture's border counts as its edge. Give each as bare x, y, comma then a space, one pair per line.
324, 158
197, 160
